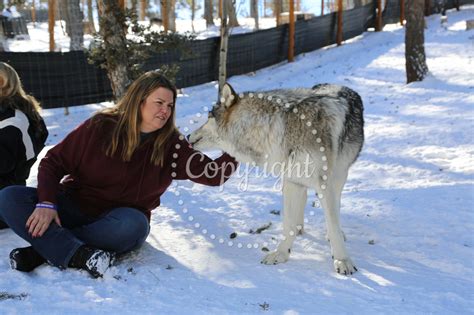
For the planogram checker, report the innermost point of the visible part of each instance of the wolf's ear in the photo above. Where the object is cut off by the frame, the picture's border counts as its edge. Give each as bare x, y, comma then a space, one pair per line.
228, 96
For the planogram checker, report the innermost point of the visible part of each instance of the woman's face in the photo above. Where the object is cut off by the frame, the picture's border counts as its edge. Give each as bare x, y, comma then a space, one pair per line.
156, 109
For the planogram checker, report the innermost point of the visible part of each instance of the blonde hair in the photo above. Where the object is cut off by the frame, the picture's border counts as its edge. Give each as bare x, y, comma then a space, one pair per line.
127, 113
13, 96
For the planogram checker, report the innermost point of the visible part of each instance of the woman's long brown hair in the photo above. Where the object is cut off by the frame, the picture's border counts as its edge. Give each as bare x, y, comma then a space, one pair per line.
126, 133
13, 96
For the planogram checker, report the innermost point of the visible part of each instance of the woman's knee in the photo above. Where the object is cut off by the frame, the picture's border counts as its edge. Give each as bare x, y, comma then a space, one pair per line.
134, 225
12, 197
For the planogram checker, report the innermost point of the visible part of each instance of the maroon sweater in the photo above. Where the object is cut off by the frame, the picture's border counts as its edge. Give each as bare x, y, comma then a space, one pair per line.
99, 183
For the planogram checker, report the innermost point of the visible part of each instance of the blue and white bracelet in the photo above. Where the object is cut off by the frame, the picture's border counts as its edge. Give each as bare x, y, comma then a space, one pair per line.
46, 205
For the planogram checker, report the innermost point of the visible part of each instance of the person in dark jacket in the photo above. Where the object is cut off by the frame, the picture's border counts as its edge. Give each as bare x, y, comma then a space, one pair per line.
22, 130
97, 187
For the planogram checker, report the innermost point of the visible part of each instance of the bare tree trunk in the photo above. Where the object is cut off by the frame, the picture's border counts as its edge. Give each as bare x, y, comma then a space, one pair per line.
415, 59
229, 5
75, 24
63, 14
90, 16
134, 6
172, 15
209, 13
254, 11
277, 10
113, 32
223, 49
3, 42
193, 13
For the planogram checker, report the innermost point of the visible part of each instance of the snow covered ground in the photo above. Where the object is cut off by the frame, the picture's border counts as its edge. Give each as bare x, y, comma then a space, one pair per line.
407, 209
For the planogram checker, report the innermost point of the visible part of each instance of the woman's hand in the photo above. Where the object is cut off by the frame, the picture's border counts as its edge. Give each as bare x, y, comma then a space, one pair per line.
40, 219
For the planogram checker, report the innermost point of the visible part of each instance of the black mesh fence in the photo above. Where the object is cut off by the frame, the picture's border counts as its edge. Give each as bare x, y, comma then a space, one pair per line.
67, 79
60, 79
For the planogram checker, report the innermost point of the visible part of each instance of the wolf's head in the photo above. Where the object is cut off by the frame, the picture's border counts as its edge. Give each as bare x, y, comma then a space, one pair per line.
209, 135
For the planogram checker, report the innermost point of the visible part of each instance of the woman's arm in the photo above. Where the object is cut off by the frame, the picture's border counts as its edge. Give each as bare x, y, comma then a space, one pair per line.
62, 159
198, 167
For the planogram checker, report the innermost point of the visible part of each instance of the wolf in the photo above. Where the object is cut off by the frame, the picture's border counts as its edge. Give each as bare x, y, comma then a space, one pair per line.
322, 126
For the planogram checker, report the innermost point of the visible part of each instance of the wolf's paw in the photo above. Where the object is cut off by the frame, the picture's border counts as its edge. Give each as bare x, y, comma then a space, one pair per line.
344, 266
276, 257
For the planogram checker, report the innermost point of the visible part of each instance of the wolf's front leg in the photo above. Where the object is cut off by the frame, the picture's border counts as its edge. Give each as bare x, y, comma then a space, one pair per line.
294, 202
331, 202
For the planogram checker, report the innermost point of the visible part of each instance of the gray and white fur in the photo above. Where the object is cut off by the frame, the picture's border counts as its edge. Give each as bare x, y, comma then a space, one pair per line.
322, 126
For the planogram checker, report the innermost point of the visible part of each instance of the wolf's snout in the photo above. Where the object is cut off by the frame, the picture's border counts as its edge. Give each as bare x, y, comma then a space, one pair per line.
193, 140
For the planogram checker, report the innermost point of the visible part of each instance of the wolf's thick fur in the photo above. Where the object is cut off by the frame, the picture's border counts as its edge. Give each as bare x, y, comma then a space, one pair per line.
322, 126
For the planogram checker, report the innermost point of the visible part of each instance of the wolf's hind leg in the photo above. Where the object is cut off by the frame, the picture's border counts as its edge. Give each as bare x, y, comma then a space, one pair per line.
294, 202
339, 180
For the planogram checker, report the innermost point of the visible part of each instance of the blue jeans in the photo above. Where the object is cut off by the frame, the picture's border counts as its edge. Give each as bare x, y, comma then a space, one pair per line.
120, 230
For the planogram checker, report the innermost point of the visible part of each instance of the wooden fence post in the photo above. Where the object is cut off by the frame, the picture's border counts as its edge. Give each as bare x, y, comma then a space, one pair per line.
427, 7
339, 23
378, 20
51, 21
291, 35
143, 7
122, 4
33, 12
164, 15
402, 11
221, 8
